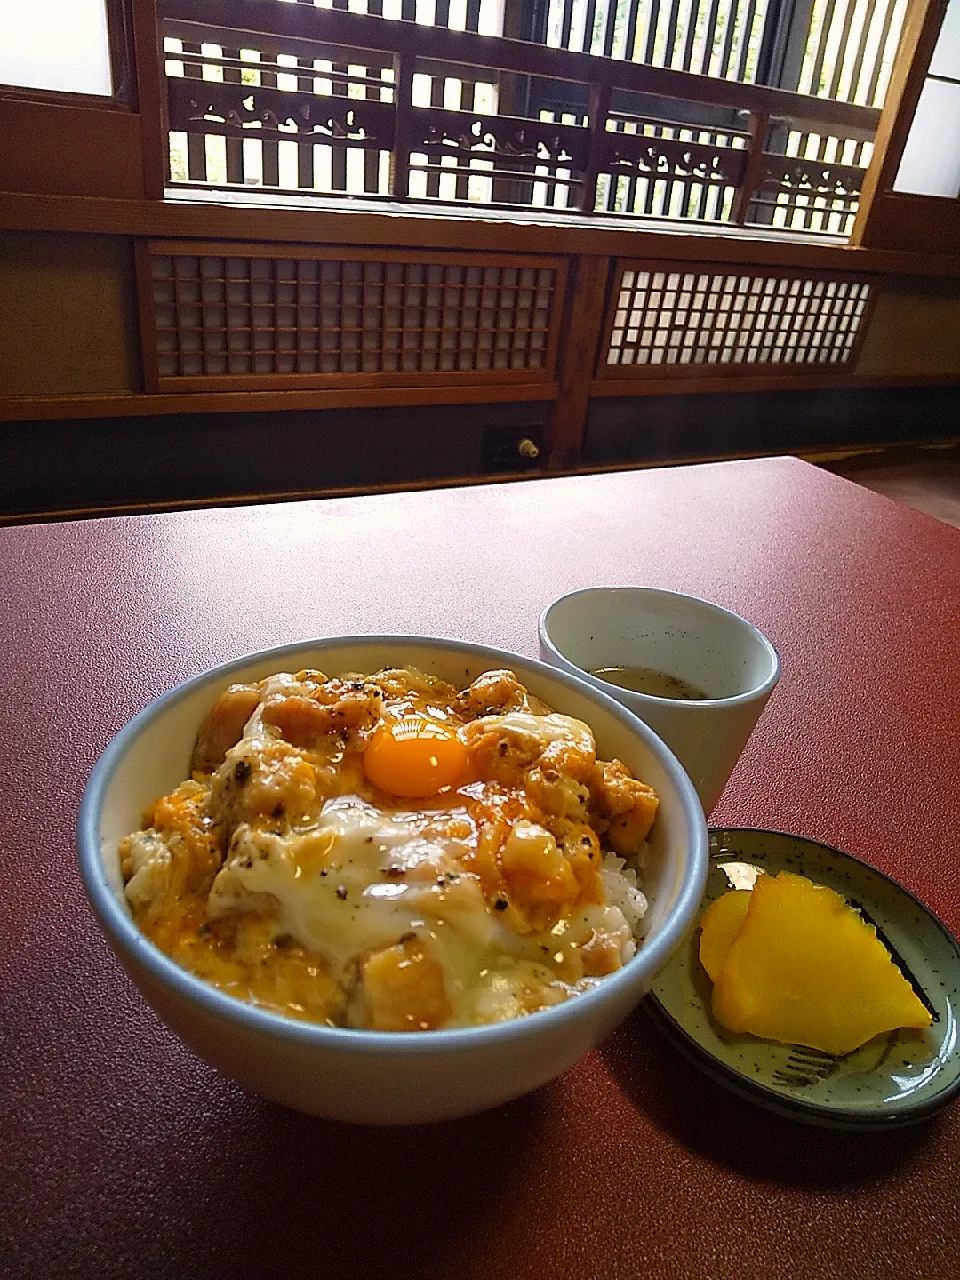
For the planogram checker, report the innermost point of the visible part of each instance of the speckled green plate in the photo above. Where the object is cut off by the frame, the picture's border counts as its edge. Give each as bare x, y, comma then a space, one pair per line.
901, 1077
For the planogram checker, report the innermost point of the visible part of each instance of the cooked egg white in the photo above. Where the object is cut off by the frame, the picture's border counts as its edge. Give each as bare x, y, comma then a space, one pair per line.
362, 878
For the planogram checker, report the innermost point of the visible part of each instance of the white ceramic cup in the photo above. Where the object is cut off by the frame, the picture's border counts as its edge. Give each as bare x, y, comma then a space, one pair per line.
710, 648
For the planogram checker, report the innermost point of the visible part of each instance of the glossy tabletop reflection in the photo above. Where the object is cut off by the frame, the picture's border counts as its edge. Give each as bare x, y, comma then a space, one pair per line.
121, 1155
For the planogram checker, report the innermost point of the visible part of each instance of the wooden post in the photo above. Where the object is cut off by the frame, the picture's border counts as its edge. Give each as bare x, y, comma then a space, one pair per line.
146, 305
234, 146
753, 173
917, 43
597, 117
580, 337
306, 176
402, 98
151, 98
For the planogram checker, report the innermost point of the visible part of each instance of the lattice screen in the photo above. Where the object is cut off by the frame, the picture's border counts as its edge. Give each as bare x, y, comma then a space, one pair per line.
222, 317
669, 319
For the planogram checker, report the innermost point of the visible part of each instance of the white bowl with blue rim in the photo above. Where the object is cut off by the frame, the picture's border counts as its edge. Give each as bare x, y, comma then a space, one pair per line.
368, 1076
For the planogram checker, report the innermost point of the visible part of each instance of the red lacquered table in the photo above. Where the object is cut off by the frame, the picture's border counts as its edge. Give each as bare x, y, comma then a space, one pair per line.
121, 1155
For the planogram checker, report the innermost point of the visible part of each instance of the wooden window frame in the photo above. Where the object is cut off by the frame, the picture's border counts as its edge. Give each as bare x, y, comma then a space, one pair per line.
122, 70
891, 219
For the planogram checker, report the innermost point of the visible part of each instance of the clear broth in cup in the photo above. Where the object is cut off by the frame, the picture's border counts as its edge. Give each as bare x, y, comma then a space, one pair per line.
658, 684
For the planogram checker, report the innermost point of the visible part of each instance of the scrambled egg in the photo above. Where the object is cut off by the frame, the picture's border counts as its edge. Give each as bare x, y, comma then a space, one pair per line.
388, 852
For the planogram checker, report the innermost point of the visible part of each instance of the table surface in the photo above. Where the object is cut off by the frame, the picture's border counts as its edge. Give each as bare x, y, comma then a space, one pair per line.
121, 1155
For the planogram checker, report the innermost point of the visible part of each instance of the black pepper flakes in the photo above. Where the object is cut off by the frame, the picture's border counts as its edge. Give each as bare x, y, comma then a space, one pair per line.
501, 904
242, 771
342, 892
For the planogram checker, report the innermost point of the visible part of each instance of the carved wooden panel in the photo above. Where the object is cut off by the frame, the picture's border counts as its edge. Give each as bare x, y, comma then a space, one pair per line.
241, 110
659, 170
509, 147
665, 319
279, 316
798, 185
668, 158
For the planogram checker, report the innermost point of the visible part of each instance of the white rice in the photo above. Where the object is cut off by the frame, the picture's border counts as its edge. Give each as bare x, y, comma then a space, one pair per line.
622, 890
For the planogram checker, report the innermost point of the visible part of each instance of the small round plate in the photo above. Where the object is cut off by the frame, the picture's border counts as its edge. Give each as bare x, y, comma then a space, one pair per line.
900, 1077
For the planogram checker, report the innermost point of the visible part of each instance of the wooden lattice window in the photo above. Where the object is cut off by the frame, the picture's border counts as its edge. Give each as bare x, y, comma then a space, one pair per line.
674, 319
221, 316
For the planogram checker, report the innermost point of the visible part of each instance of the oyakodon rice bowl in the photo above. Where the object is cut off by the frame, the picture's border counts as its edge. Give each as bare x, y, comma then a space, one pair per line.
358, 855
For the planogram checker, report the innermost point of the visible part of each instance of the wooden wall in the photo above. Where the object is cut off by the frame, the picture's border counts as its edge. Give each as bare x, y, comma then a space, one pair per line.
68, 326
914, 331
68, 316
90, 438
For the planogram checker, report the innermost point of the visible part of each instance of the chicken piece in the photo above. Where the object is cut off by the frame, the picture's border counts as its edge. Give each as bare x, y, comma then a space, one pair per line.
169, 866
295, 981
574, 754
494, 691
513, 989
504, 747
311, 676
628, 832
147, 866
501, 753
351, 709
539, 882
581, 848
223, 726
400, 682
482, 861
556, 794
233, 892
403, 989
601, 954
261, 780
625, 807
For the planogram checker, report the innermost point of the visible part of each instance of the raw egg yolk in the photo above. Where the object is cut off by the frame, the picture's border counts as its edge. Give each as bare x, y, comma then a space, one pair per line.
414, 757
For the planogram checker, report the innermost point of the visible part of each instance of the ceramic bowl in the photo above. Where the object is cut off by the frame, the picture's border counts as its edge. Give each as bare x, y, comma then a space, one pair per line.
367, 1076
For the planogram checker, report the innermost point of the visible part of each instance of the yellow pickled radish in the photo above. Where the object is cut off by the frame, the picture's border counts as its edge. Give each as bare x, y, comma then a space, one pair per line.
719, 926
806, 969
